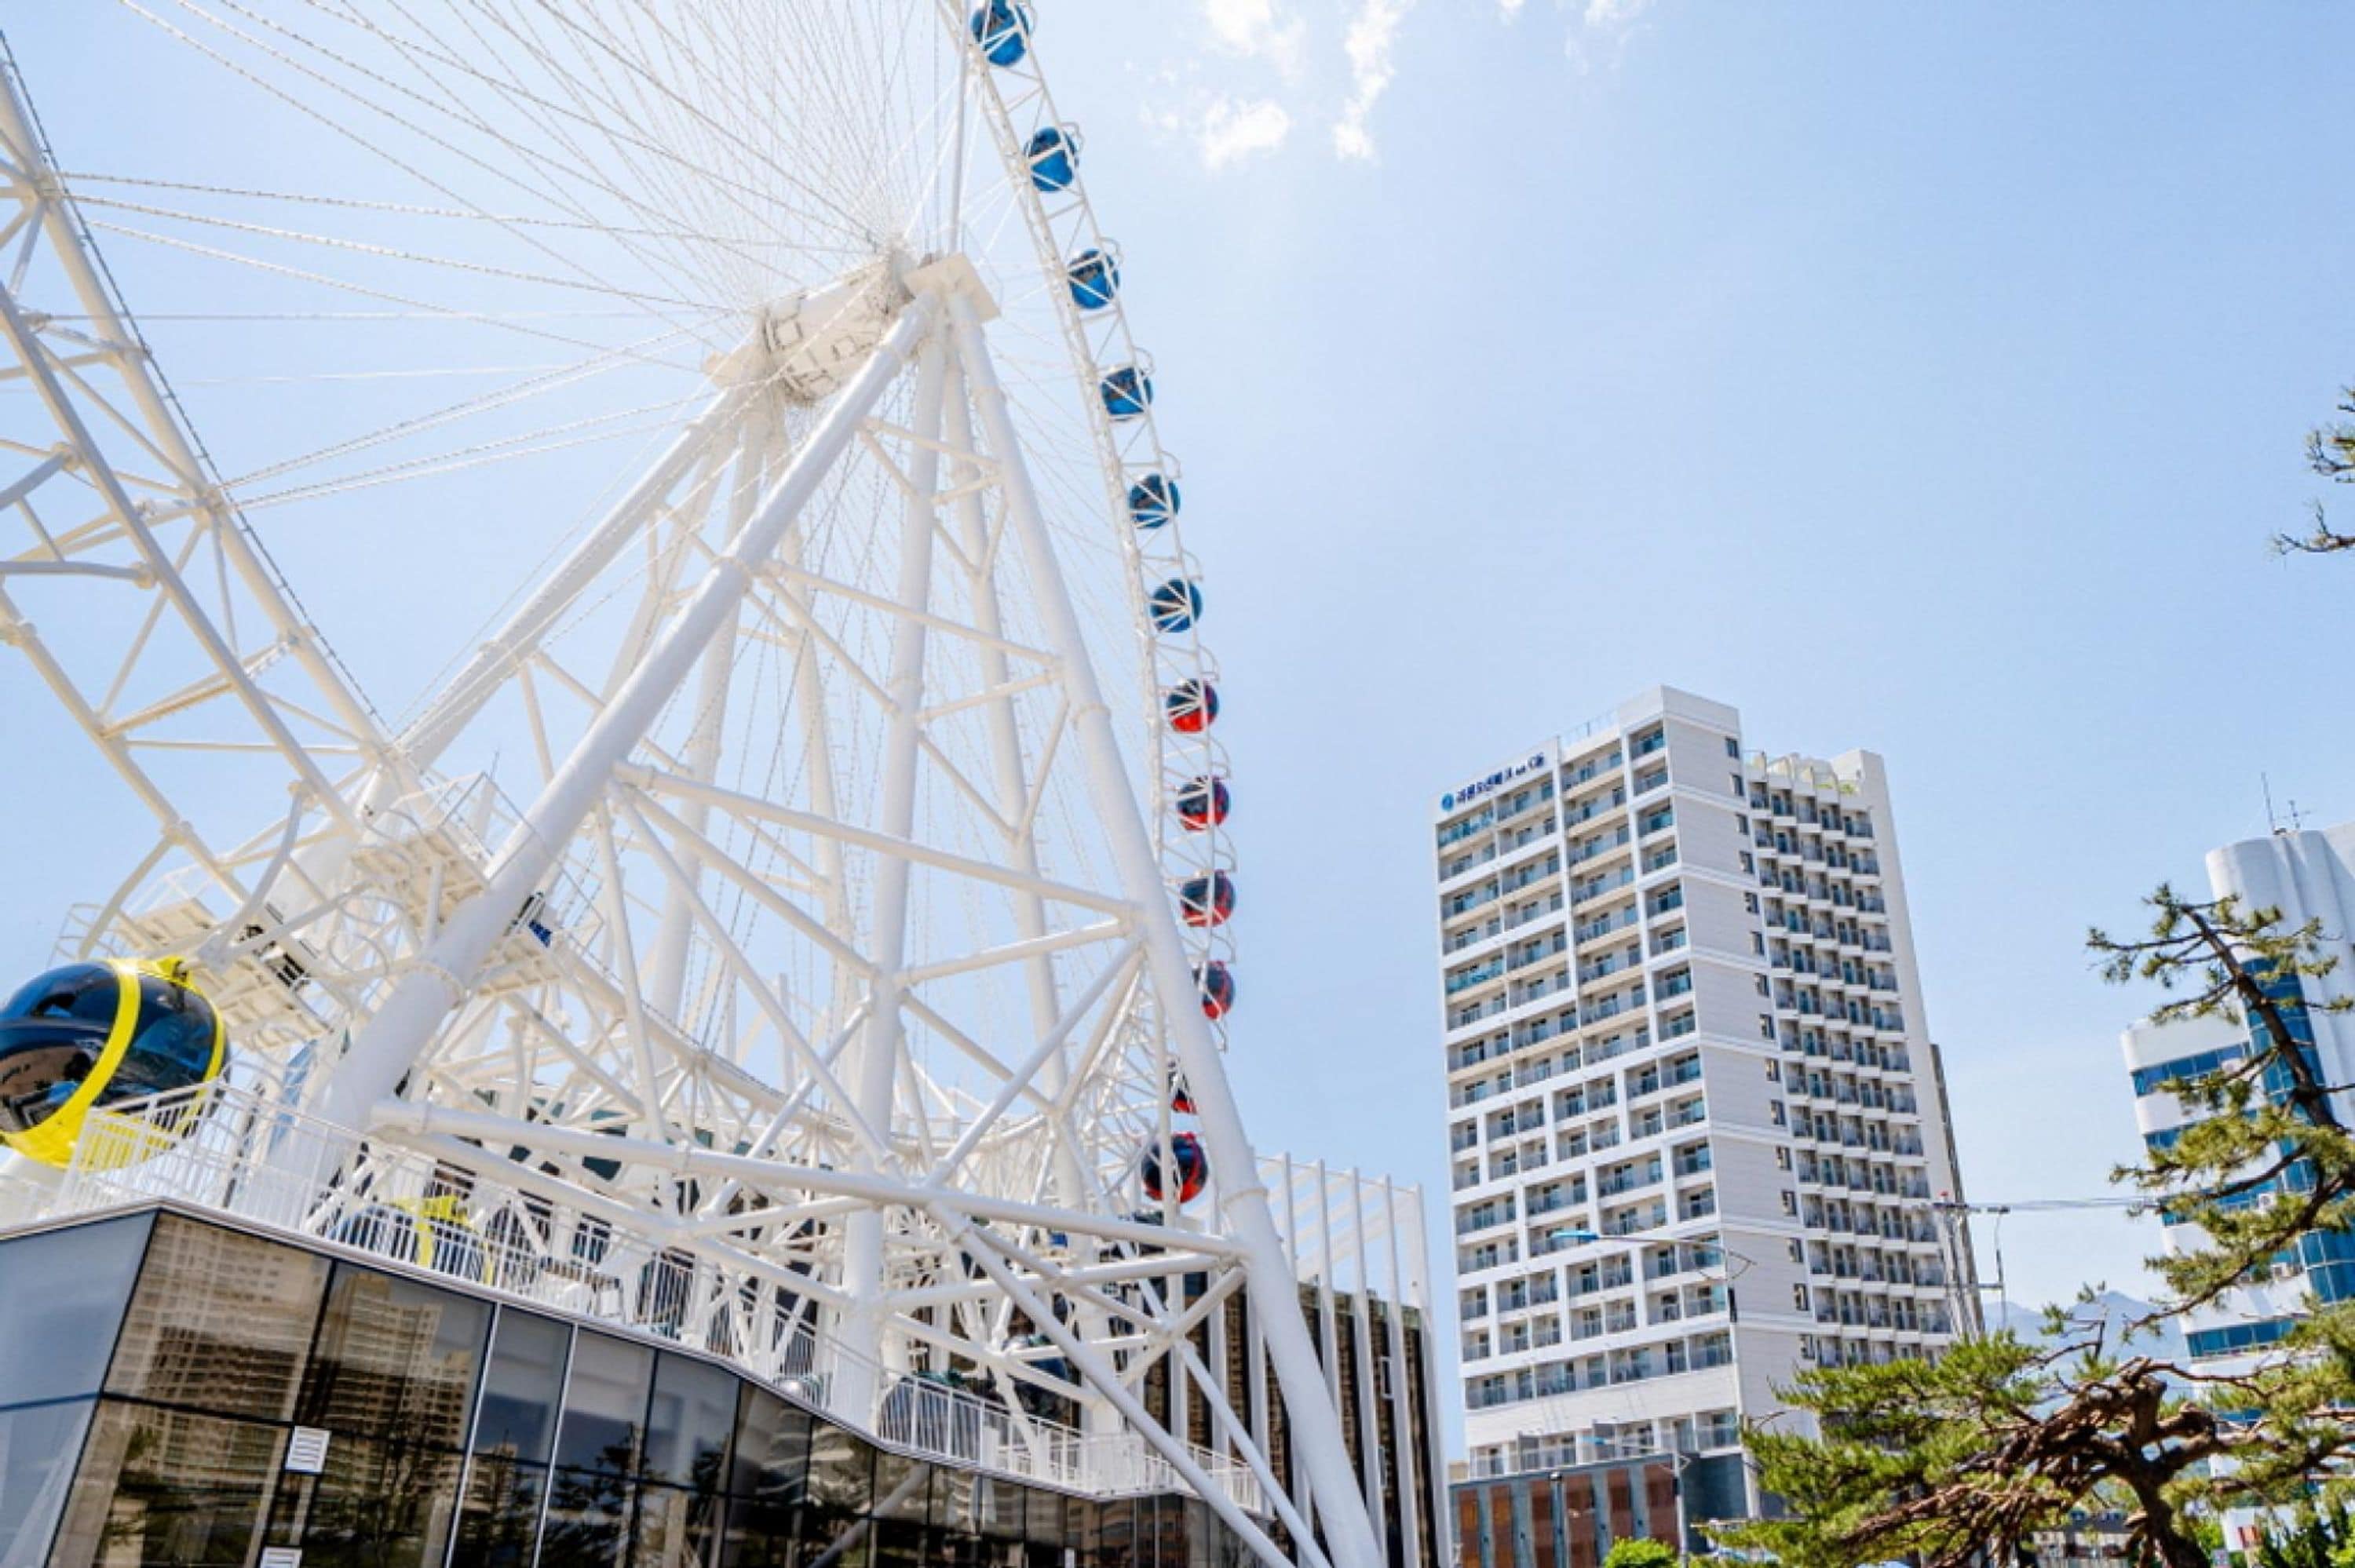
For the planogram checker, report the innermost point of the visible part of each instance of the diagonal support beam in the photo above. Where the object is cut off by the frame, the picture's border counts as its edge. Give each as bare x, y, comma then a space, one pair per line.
415, 1006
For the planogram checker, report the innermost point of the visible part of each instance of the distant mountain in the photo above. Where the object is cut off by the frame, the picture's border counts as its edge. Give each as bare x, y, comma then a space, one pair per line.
2163, 1340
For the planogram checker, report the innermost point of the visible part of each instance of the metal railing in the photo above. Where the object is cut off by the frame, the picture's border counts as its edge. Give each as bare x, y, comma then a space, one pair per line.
223, 1149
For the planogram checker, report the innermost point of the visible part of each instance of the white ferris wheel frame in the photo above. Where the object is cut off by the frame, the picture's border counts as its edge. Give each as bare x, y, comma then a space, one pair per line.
366, 812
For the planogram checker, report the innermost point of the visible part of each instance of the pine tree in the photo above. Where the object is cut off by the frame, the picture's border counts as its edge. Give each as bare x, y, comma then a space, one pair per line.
1965, 1459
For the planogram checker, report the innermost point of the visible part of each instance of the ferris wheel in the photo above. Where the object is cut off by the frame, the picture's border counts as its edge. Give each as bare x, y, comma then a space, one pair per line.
812, 845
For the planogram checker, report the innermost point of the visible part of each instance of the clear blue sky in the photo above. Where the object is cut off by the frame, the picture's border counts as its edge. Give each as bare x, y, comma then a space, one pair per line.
1922, 378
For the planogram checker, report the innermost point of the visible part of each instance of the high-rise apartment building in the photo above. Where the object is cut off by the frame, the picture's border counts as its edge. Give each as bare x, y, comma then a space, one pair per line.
2306, 875
1696, 1122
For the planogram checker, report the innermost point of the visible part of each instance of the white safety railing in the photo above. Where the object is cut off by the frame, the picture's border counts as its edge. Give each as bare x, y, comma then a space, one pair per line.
226, 1150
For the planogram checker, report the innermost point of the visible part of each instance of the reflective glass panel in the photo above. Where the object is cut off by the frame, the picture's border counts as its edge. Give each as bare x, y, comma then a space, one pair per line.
998, 1506
1171, 1532
1115, 1533
829, 1537
841, 1468
522, 1387
377, 1504
38, 1448
688, 1423
770, 1458
220, 1320
676, 1528
61, 1300
954, 1493
588, 1520
902, 1486
900, 1544
759, 1534
604, 1404
166, 1488
498, 1518
395, 1358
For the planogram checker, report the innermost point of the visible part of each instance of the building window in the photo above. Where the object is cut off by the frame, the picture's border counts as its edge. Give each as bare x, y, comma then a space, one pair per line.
38, 1448
221, 1320
169, 1485
380, 1503
61, 1298
395, 1358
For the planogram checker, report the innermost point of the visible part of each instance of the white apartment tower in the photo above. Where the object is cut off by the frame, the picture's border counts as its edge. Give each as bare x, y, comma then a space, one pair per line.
1696, 1122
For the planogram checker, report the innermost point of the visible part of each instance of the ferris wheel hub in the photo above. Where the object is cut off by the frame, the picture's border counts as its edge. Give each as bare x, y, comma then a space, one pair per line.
805, 347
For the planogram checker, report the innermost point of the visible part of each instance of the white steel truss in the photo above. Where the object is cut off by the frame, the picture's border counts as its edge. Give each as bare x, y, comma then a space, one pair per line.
827, 931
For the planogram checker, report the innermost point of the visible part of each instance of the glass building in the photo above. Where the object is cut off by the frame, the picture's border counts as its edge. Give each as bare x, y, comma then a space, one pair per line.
175, 1391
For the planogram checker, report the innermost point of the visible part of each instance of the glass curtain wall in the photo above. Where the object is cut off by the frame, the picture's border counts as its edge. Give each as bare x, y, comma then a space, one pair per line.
177, 1393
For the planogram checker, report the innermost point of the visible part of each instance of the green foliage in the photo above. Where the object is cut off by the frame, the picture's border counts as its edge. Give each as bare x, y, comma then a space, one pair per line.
2211, 957
1639, 1553
1963, 1461
2316, 1537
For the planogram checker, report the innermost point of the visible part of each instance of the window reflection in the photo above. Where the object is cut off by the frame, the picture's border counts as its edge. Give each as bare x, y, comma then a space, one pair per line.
166, 1488
677, 1528
221, 1321
604, 1406
588, 1520
770, 1461
587, 1450
688, 1421
378, 1504
1115, 1533
499, 1518
898, 1543
522, 1384
395, 1358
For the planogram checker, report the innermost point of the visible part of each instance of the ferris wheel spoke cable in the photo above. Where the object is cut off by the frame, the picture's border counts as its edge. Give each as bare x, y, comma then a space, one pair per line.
331, 123
637, 353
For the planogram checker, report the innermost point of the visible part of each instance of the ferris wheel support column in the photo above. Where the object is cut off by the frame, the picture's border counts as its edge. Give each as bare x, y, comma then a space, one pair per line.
879, 1060
1069, 1181
667, 963
440, 978
1242, 1199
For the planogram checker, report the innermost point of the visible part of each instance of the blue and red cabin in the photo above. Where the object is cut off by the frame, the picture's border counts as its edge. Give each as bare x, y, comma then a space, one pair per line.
1203, 804
1215, 983
1207, 900
1192, 706
1193, 1167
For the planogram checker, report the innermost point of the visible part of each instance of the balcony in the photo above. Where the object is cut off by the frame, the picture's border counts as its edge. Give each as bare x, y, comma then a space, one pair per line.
1479, 974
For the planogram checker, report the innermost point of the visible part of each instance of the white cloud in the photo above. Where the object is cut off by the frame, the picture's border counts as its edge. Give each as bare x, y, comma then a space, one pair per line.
1511, 8
1604, 27
1614, 14
1258, 28
1370, 42
1231, 131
